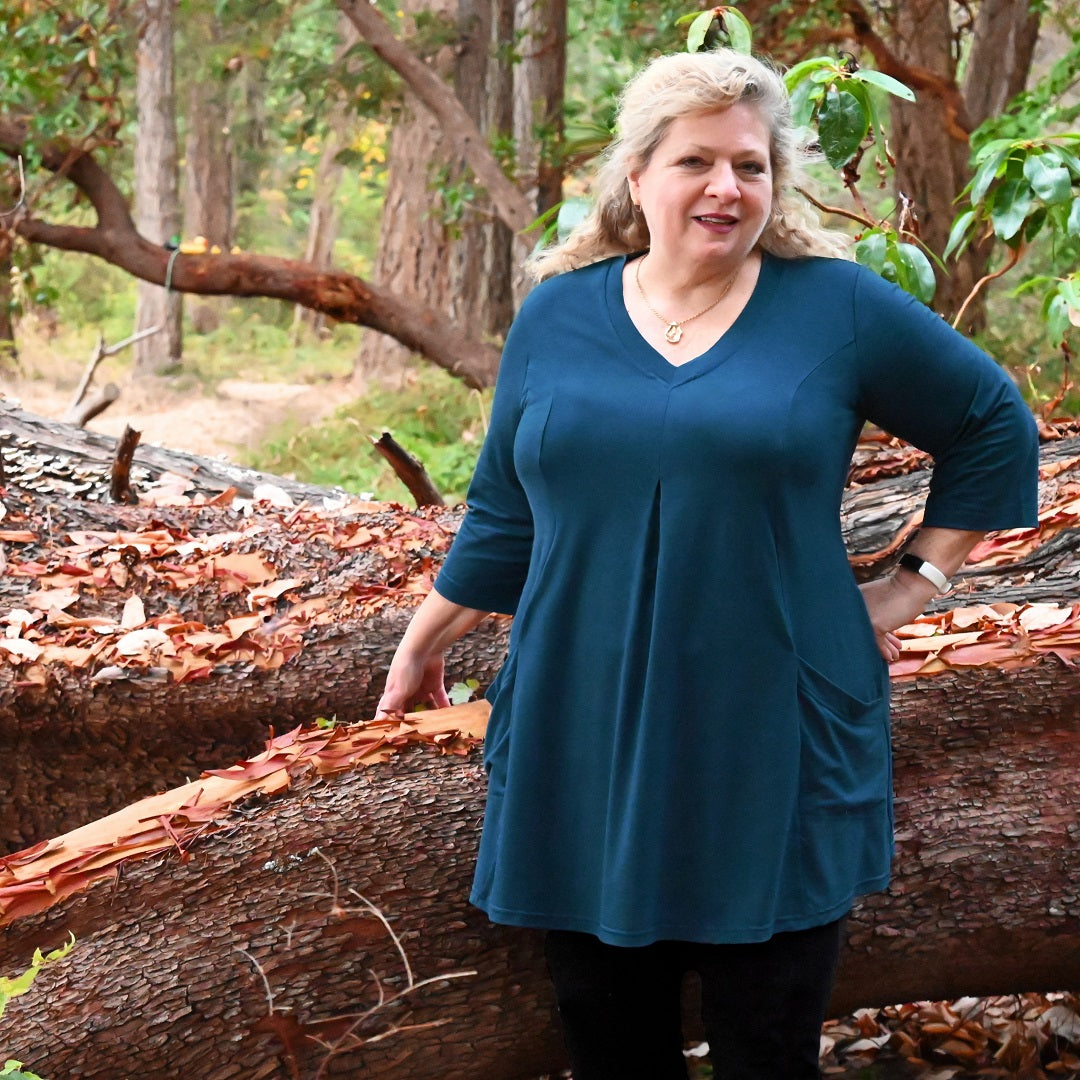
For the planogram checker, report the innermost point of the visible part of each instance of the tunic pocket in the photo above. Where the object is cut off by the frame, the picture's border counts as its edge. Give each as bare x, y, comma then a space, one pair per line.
844, 755
497, 737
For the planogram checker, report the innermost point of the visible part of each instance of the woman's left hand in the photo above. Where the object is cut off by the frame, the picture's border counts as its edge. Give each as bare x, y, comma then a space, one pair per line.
892, 602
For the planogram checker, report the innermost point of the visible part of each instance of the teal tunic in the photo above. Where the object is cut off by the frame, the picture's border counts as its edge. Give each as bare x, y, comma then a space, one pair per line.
689, 738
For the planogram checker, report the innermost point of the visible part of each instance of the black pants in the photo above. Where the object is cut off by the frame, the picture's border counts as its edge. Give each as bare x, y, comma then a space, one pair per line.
762, 1005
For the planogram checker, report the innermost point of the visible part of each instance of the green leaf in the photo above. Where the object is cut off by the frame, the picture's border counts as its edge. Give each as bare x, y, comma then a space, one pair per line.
804, 69
1033, 225
804, 99
842, 126
1012, 204
739, 31
959, 234
917, 275
13, 1070
1052, 183
884, 82
987, 172
870, 251
1072, 226
1070, 290
1056, 314
695, 36
461, 692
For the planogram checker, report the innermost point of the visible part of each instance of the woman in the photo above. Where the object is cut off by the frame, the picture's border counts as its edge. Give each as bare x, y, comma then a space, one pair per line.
688, 747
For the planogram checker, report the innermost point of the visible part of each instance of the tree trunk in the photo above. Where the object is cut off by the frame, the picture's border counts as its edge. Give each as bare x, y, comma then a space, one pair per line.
930, 138
539, 89
440, 241
262, 950
323, 218
157, 207
9, 353
208, 177
134, 729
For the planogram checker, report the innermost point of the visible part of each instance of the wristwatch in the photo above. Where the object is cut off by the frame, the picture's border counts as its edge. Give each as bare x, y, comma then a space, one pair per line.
928, 570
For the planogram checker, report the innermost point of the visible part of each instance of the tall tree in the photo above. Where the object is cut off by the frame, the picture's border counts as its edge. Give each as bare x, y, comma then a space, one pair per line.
440, 243
921, 42
157, 202
539, 92
323, 219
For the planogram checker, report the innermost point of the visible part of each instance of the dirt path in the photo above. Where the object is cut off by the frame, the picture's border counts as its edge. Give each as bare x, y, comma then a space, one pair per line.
233, 417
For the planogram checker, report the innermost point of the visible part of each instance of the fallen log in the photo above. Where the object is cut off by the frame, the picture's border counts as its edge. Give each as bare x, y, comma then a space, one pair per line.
87, 728
262, 952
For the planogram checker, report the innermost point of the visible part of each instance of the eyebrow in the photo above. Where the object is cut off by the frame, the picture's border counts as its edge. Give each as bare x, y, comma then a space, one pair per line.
694, 148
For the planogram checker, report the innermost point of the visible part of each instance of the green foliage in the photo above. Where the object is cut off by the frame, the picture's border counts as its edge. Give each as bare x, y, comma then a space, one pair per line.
882, 251
14, 987
1049, 104
63, 61
718, 26
1020, 188
14, 1070
836, 96
434, 416
461, 692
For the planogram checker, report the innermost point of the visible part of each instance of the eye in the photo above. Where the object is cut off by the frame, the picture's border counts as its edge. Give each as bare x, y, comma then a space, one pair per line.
755, 168
691, 162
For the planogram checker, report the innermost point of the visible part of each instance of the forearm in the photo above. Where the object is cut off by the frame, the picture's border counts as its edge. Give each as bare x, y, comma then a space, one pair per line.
416, 672
901, 597
437, 624
944, 548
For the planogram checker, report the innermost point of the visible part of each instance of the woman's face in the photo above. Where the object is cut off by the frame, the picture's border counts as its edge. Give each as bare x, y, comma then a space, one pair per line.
707, 189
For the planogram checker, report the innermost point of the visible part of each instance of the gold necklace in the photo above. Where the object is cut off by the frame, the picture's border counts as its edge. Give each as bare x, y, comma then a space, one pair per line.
673, 333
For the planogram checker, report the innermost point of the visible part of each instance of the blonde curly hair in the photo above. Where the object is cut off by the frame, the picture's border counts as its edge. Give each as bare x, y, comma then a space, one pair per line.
668, 88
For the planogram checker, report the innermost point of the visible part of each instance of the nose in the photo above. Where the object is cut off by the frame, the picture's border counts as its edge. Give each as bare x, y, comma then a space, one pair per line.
721, 182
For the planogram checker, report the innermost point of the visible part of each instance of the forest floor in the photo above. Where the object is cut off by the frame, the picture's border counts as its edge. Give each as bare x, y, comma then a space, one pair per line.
227, 418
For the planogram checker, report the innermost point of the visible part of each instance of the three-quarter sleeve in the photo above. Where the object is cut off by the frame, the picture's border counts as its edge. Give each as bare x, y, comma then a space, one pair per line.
489, 558
928, 384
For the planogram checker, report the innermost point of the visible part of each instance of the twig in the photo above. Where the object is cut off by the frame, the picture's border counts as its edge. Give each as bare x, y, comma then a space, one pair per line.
262, 975
1014, 258
120, 485
409, 470
99, 354
837, 210
21, 204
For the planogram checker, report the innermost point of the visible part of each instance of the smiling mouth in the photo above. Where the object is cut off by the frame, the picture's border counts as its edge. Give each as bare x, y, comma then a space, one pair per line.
716, 219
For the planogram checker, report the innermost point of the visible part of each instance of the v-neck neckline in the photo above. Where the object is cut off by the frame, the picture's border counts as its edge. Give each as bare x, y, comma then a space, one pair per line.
651, 359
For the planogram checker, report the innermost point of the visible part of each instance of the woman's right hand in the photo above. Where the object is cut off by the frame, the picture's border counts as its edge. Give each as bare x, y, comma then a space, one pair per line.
413, 681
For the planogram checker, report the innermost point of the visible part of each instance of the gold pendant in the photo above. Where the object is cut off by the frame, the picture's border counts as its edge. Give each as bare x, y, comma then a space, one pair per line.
674, 333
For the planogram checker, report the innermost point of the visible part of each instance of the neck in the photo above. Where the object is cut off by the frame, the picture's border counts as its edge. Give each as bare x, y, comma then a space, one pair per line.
673, 283
674, 287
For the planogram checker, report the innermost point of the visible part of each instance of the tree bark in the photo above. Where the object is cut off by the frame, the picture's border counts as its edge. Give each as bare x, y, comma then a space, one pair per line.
539, 93
441, 239
208, 172
9, 352
157, 201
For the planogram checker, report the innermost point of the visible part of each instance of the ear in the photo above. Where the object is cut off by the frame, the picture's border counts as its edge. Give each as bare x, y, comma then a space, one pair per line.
635, 187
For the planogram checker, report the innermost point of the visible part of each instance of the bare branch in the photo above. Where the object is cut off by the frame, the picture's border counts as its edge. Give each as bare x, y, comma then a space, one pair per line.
1014, 258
